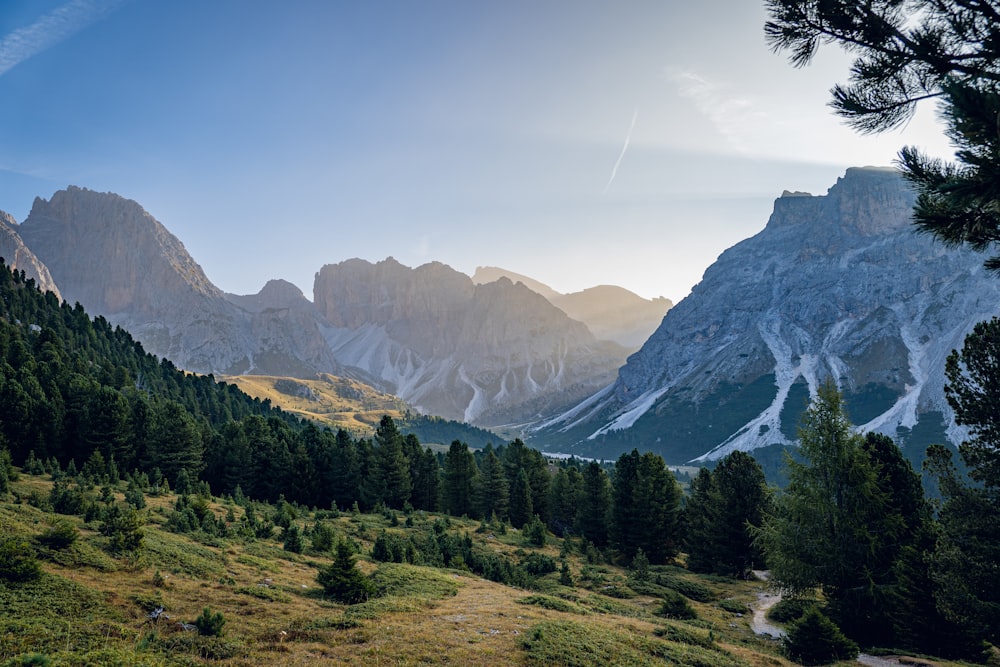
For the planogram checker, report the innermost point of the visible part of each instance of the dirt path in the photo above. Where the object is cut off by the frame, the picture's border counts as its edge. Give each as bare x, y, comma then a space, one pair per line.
759, 623
761, 626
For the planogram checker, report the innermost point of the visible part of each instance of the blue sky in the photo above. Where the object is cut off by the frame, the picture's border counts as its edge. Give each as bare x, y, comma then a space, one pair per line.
581, 143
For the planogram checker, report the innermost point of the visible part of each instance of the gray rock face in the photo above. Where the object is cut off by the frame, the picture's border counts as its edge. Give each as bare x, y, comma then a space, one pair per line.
114, 258
835, 286
18, 256
610, 312
489, 354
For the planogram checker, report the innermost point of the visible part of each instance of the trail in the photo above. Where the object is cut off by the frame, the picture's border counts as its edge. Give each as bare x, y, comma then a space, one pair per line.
761, 626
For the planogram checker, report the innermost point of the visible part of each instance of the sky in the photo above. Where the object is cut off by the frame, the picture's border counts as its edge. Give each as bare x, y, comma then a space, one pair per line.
624, 142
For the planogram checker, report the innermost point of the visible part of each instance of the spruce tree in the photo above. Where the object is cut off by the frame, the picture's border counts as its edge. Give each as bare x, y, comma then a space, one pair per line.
595, 505
824, 529
492, 490
458, 479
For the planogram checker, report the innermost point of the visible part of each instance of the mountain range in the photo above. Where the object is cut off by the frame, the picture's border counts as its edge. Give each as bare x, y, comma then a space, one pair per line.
835, 286
492, 353
838, 286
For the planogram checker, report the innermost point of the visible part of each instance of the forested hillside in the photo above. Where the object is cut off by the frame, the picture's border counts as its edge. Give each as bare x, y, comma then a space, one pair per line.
851, 539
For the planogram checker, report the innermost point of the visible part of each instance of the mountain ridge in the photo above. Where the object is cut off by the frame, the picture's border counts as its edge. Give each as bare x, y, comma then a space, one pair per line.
826, 289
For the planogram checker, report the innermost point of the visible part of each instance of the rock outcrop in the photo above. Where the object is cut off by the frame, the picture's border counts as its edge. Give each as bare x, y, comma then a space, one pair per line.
837, 286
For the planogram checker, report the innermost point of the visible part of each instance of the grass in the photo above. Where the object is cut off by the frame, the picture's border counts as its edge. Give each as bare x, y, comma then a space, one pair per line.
91, 608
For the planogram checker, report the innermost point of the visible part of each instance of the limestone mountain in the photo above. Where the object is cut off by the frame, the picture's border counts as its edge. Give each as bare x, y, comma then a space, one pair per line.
18, 256
489, 354
110, 255
610, 312
835, 286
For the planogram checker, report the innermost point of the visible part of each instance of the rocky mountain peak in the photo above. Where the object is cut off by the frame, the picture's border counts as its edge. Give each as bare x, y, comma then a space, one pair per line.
837, 286
869, 201
107, 252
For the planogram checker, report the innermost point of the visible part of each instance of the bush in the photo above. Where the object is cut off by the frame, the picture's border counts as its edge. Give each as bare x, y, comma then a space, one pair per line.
690, 589
816, 640
534, 532
675, 605
733, 606
210, 624
17, 561
60, 534
789, 609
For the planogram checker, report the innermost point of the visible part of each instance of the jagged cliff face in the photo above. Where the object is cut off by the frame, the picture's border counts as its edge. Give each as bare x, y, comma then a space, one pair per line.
113, 257
835, 286
610, 312
18, 256
489, 354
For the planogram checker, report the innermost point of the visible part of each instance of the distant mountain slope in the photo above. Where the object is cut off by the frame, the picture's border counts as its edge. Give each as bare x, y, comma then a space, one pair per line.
835, 286
489, 274
18, 256
610, 312
488, 354
493, 354
114, 258
334, 401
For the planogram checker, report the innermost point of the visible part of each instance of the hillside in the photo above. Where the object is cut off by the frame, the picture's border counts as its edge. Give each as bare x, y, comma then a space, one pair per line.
91, 605
333, 401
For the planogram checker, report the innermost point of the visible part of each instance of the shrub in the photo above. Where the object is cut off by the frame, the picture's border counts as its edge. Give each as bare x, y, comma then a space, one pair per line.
789, 609
675, 605
60, 534
690, 589
733, 606
17, 560
816, 640
293, 539
209, 623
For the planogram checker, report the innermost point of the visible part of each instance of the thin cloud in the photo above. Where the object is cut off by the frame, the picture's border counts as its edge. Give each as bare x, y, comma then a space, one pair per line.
55, 26
732, 115
621, 156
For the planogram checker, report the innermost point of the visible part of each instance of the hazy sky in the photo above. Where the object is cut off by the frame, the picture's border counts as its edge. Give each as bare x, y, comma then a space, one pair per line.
622, 142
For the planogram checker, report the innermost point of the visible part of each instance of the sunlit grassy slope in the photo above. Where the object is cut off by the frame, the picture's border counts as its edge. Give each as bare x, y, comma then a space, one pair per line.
334, 401
92, 608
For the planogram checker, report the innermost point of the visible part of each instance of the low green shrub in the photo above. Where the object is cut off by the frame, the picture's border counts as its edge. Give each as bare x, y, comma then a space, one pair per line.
18, 562
210, 623
675, 605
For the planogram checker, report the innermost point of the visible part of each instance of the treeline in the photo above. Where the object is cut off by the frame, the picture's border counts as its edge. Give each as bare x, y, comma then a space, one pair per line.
75, 390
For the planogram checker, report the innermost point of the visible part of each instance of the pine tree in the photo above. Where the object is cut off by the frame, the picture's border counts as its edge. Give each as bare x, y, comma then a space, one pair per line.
342, 581
521, 508
458, 479
595, 505
492, 492
391, 470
